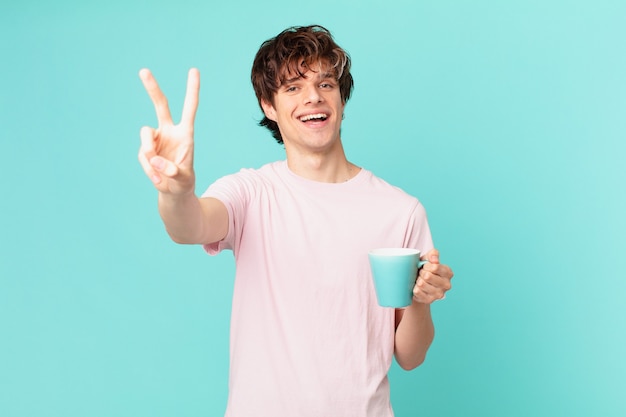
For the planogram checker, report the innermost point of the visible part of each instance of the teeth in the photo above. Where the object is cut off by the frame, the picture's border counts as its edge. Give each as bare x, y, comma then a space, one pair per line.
313, 116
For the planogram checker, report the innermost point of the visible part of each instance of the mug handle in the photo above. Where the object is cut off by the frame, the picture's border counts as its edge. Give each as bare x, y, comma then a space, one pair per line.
420, 264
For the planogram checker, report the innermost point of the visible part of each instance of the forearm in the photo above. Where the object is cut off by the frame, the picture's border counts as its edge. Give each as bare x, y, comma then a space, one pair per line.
191, 220
414, 335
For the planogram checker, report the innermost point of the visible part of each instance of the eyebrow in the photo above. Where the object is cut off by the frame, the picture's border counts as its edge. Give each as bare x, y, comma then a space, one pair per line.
322, 76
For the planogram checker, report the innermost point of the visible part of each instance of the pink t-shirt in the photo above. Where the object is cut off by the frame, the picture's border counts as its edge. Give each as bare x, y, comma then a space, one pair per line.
307, 335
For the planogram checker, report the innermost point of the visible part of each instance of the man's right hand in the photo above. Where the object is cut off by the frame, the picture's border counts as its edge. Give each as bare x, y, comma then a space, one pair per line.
166, 153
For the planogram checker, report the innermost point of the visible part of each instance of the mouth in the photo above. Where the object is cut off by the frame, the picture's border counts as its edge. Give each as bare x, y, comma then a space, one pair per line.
315, 117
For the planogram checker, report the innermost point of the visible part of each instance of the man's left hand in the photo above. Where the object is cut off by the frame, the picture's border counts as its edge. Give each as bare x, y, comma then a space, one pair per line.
433, 279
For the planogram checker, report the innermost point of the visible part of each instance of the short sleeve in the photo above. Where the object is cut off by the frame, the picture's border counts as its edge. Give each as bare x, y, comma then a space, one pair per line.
230, 190
418, 231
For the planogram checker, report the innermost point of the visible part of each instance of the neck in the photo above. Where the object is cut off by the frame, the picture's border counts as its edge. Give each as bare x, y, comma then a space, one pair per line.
322, 168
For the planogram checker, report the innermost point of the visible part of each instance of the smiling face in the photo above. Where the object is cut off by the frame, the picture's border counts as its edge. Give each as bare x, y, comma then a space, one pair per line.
308, 110
289, 56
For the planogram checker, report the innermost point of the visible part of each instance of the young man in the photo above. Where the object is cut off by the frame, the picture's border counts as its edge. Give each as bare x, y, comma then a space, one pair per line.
307, 335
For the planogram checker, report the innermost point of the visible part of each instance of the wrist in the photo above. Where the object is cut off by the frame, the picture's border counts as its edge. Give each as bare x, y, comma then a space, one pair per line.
419, 307
178, 204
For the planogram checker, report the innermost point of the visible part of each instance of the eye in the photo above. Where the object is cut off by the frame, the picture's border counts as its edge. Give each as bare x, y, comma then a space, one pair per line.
291, 89
326, 85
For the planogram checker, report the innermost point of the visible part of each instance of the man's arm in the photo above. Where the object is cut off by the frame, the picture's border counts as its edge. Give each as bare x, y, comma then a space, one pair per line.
166, 155
414, 325
189, 219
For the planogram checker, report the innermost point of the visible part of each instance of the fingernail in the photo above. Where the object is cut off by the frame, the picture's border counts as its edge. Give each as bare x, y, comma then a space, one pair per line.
155, 179
157, 163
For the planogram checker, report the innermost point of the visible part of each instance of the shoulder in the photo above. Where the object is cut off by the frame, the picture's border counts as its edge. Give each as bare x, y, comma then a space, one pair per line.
384, 189
265, 175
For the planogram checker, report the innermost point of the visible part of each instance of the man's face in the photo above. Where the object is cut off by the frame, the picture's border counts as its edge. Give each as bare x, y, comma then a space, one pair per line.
308, 111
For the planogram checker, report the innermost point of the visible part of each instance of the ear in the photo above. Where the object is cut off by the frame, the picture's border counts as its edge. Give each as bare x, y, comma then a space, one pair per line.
269, 110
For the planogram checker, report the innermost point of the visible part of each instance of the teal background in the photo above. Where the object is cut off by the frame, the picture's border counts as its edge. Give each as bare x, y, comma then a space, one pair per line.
506, 119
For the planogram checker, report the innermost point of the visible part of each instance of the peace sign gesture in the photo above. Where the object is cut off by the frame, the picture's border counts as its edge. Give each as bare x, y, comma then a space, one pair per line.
166, 153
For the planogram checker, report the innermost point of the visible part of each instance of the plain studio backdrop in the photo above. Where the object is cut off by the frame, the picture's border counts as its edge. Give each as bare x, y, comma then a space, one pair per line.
507, 119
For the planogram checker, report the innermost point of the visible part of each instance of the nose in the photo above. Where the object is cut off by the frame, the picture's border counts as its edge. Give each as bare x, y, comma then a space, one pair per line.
312, 94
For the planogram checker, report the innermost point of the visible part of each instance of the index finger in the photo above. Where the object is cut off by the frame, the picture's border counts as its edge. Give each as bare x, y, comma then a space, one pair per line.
438, 269
156, 95
191, 97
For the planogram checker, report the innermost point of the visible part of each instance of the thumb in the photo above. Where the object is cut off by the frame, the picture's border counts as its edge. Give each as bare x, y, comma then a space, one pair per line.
432, 256
165, 167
